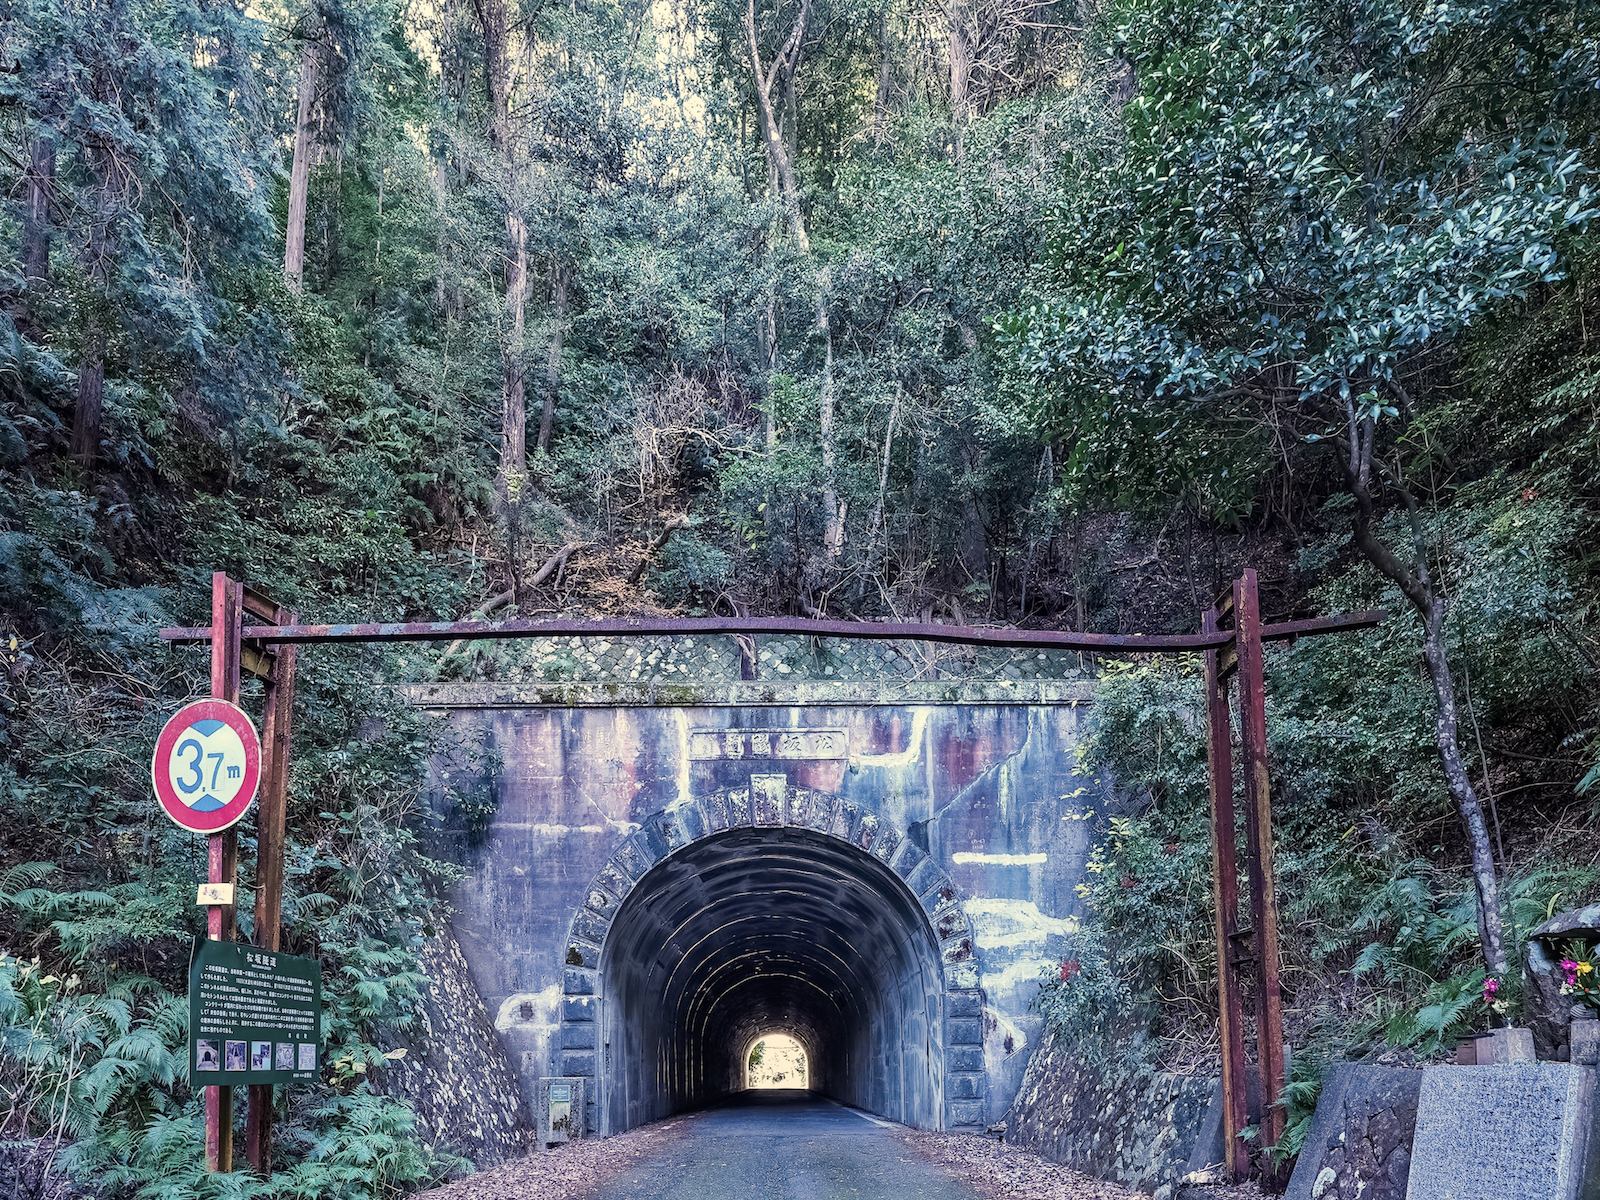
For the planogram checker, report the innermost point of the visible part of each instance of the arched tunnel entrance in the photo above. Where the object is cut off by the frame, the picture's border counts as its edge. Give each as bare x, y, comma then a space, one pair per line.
853, 945
760, 929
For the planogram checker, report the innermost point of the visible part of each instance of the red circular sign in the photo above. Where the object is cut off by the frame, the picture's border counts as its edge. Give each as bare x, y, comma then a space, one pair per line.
207, 765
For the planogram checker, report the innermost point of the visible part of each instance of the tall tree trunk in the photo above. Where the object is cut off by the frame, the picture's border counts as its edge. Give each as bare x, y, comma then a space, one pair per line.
778, 153
513, 391
960, 73
294, 234
36, 216
90, 404
1416, 584
883, 95
833, 513
95, 313
561, 279
513, 394
765, 80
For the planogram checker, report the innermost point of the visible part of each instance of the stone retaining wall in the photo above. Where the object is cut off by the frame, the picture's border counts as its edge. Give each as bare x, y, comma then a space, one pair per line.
1359, 1143
455, 1073
1126, 1123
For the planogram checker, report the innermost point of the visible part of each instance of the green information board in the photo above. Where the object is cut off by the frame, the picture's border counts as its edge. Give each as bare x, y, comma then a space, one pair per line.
255, 1016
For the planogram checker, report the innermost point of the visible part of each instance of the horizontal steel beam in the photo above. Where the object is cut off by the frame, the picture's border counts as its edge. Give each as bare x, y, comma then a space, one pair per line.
961, 635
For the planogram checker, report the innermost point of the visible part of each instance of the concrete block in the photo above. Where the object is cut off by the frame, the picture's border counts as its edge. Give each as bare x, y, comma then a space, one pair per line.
951, 923
583, 954
886, 843
924, 875
941, 894
961, 975
739, 812
964, 1087
590, 926
963, 1058
601, 901
1492, 1133
963, 1031
957, 950
963, 1004
797, 807
963, 1114
615, 880
846, 821
630, 863
907, 857
578, 1008
867, 831
823, 808
575, 981
1360, 1137
652, 840
1585, 1042
577, 1062
767, 794
686, 824
579, 1037
715, 808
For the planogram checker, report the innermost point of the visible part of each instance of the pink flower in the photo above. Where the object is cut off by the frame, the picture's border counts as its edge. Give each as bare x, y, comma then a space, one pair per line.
1490, 987
1571, 968
1069, 968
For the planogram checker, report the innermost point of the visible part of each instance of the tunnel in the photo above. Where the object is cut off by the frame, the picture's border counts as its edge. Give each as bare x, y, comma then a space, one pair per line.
753, 931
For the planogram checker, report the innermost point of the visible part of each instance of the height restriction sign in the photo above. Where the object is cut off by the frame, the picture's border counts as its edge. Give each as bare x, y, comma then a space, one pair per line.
207, 765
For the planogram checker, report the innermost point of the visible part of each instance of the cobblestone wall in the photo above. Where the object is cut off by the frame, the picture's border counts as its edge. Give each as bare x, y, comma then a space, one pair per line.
688, 660
455, 1073
1123, 1123
1359, 1143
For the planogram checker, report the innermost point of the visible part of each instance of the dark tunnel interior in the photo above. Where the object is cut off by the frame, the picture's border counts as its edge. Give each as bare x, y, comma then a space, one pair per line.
756, 931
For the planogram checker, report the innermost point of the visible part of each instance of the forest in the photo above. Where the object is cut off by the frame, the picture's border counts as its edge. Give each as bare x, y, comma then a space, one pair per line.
1048, 313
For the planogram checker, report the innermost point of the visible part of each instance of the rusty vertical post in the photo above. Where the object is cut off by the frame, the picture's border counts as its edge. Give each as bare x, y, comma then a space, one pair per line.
227, 620
271, 816
1225, 894
1258, 831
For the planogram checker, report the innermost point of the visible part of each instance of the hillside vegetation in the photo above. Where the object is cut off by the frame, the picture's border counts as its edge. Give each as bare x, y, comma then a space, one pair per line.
1000, 311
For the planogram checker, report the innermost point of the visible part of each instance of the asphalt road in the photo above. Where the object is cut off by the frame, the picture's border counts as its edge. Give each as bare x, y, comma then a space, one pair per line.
784, 1145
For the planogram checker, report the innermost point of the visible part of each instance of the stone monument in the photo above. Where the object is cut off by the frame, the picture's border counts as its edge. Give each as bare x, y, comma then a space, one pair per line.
1491, 1133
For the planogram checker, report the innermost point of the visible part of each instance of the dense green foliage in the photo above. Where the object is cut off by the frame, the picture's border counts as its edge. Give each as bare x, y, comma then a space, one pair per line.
1091, 319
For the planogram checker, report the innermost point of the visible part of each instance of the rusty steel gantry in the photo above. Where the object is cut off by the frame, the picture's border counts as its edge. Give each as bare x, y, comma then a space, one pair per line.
1231, 637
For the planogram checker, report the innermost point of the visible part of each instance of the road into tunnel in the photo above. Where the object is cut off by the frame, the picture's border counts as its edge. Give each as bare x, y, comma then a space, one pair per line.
761, 930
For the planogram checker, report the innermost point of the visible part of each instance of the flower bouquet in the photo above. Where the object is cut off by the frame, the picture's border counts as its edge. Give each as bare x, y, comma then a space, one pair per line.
1580, 974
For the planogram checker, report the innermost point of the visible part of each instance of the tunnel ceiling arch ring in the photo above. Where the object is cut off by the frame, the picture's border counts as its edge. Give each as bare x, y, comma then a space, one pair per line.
769, 907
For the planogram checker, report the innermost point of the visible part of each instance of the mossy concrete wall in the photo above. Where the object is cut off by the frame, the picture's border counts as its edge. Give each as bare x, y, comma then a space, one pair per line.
969, 755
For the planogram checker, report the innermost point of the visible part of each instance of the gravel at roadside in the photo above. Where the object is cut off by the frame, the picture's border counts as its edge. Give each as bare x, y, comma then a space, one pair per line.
568, 1172
1001, 1172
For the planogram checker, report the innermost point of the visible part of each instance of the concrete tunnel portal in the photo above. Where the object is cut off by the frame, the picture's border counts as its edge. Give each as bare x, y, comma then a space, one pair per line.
850, 948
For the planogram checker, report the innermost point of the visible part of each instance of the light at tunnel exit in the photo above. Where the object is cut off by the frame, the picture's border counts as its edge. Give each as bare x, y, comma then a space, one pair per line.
776, 1061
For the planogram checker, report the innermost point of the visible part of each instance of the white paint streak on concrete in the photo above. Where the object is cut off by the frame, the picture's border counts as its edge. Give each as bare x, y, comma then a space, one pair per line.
963, 857
903, 758
544, 830
1015, 975
546, 1004
999, 924
681, 719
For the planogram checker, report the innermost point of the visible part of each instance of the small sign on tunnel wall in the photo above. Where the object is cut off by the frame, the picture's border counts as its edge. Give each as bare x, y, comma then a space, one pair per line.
560, 1110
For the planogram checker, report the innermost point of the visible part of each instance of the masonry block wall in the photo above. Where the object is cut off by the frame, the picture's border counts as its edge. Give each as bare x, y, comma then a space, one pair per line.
959, 768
